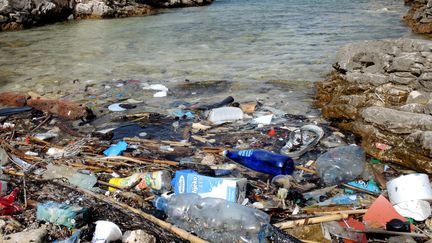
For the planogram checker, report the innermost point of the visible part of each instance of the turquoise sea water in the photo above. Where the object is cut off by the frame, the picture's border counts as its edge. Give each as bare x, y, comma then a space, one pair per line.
236, 40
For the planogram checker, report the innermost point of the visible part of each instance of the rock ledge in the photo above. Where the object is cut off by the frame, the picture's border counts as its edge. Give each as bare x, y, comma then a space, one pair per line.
382, 91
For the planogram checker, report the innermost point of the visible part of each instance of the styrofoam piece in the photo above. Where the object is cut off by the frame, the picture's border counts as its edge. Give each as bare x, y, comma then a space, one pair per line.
160, 94
266, 120
225, 114
106, 231
419, 210
408, 188
116, 107
158, 87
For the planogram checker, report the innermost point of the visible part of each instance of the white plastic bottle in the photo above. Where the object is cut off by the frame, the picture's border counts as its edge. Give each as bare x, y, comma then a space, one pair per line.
215, 219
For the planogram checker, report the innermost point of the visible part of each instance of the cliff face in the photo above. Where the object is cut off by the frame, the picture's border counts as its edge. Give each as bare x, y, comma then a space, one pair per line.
382, 91
20, 14
419, 17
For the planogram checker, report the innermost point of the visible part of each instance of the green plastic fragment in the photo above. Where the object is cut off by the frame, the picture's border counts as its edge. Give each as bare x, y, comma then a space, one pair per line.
411, 220
375, 161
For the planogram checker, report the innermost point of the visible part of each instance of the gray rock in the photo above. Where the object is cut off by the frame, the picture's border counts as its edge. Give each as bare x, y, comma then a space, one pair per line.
138, 236
402, 77
406, 62
4, 159
24, 13
398, 122
367, 78
425, 80
428, 108
415, 108
401, 61
4, 6
418, 97
401, 239
422, 139
31, 236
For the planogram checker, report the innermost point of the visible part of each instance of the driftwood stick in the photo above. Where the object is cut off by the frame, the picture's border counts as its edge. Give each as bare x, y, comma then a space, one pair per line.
141, 161
180, 232
104, 160
327, 218
387, 232
42, 123
298, 167
356, 211
360, 190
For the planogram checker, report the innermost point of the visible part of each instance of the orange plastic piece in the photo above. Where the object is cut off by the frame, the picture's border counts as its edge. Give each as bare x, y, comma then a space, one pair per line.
380, 212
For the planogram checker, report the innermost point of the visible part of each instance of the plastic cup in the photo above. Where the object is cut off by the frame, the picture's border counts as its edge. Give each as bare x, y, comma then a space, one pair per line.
106, 231
409, 188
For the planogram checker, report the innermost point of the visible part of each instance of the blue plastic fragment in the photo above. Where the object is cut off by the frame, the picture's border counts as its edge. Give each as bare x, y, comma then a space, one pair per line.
74, 238
182, 114
370, 186
116, 149
344, 199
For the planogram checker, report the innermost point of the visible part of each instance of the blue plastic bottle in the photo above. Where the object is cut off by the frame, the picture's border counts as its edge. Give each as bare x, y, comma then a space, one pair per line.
262, 161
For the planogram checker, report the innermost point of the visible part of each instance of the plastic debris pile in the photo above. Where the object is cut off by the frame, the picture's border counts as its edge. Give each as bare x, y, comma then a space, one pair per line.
226, 171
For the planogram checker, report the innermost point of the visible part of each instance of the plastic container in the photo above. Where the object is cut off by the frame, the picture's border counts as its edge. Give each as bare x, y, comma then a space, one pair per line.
225, 114
106, 231
159, 181
341, 164
262, 161
409, 187
215, 219
62, 214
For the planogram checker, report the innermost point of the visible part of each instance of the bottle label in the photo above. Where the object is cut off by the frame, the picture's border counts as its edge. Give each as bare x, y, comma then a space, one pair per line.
149, 179
245, 153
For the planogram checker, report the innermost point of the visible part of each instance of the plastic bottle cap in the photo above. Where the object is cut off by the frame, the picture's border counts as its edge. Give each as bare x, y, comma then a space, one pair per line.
397, 225
160, 203
224, 153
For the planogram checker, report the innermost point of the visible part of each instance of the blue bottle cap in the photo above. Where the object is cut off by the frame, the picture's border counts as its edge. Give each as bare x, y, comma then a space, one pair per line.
160, 203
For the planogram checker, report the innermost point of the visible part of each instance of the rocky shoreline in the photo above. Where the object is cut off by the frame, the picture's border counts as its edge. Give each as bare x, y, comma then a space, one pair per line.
382, 91
419, 17
21, 14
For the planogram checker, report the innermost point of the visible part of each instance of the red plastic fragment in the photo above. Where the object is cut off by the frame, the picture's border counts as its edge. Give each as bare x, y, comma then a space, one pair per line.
7, 205
272, 132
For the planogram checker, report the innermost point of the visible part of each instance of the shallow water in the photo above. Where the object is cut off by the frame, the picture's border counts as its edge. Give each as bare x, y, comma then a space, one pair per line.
255, 41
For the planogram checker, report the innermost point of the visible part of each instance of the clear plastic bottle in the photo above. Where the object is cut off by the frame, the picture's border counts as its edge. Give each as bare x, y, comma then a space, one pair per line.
215, 219
158, 181
341, 164
86, 181
263, 161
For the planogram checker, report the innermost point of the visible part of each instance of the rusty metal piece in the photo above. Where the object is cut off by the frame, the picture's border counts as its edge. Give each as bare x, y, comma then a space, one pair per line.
13, 98
62, 108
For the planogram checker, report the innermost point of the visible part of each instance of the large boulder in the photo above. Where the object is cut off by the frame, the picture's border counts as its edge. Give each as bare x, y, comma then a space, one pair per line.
110, 9
382, 91
419, 17
19, 14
